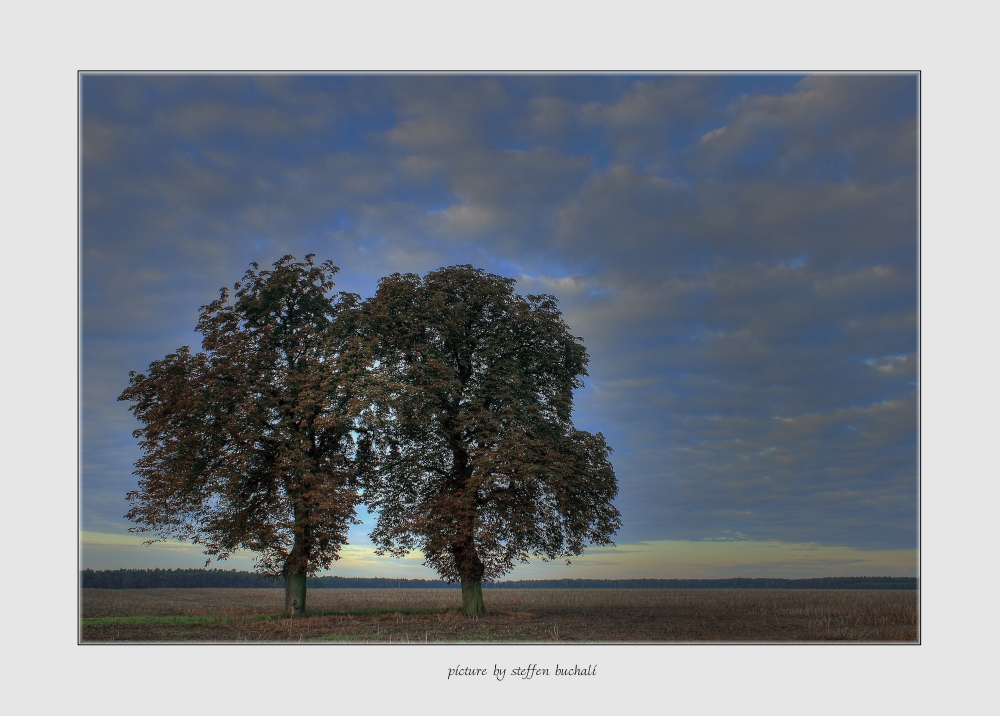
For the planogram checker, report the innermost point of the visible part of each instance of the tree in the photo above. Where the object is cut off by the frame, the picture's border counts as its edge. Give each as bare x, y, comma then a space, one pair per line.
249, 444
475, 460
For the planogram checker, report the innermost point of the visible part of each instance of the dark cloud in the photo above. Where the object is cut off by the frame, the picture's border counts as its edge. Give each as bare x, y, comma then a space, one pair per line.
738, 253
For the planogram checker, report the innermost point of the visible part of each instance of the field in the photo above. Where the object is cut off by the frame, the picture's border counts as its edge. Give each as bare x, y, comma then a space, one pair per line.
515, 615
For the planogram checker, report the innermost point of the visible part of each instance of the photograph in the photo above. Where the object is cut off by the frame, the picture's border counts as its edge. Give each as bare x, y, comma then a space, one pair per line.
499, 358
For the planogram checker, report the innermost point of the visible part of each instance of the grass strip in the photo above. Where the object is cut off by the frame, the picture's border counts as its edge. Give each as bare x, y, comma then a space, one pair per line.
147, 620
185, 620
365, 612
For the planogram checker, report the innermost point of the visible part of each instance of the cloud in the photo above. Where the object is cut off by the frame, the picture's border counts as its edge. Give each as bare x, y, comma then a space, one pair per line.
651, 119
895, 365
443, 116
828, 127
738, 254
107, 550
465, 220
724, 558
549, 115
663, 559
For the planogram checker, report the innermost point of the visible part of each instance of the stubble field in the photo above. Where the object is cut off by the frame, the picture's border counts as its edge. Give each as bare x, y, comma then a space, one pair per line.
515, 615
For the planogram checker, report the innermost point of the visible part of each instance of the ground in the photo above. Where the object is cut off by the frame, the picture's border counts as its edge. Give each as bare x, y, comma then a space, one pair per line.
515, 615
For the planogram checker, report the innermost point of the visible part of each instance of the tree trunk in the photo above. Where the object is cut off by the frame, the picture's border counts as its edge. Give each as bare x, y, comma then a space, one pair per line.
296, 568
472, 597
471, 569
297, 563
295, 592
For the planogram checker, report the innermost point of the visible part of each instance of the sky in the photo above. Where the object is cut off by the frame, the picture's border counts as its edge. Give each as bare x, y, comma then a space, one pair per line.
737, 252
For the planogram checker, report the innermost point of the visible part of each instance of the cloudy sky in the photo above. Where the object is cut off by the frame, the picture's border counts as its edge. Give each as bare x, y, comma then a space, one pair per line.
738, 253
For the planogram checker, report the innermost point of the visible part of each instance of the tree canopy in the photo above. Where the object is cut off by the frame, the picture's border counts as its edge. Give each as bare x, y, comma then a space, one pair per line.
474, 459
249, 444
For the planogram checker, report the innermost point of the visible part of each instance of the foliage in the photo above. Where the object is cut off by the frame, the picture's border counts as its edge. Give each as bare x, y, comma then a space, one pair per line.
248, 445
478, 463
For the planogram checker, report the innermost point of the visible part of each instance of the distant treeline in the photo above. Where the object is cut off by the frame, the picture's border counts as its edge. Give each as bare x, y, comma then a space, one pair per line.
732, 583
179, 578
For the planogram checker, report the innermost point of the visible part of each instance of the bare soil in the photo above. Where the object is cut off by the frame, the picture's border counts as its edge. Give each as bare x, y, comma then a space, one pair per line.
515, 615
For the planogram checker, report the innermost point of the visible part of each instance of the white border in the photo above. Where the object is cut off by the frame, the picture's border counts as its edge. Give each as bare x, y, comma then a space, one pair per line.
47, 45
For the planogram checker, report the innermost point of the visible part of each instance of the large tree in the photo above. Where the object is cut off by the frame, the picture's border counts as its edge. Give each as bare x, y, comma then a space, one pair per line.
476, 461
250, 444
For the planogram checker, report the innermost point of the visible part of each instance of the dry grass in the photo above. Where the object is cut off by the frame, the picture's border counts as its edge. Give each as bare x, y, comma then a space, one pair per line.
515, 615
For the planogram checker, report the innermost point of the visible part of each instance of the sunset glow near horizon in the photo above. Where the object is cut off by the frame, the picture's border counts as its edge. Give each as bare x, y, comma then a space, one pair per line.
738, 254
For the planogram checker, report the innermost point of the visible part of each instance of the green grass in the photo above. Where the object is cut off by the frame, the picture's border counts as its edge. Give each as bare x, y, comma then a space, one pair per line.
376, 611
154, 621
189, 620
341, 637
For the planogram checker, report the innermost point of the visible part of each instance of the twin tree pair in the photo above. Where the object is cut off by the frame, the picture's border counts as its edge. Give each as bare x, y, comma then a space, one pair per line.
443, 403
